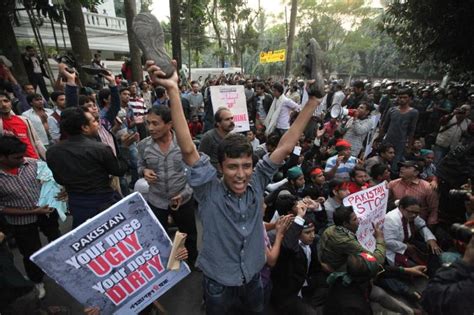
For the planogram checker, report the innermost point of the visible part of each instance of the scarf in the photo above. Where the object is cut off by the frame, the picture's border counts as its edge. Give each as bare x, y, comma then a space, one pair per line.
273, 114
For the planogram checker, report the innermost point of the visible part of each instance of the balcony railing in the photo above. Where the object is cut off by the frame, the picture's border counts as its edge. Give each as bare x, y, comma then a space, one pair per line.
104, 21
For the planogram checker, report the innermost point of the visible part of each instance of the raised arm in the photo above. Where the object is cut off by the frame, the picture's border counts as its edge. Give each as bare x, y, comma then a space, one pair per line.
180, 125
290, 138
72, 99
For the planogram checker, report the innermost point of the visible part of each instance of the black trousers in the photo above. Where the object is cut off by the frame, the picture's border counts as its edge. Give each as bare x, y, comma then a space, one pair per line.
185, 220
28, 241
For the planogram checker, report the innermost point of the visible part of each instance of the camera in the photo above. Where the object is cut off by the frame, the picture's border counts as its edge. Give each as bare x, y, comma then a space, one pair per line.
461, 232
70, 61
460, 193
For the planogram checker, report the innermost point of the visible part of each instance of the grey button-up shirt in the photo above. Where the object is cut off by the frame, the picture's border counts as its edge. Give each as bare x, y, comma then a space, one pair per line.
169, 168
233, 240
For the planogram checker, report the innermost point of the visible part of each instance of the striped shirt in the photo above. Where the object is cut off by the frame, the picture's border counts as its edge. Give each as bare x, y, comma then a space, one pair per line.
138, 107
344, 169
20, 191
422, 191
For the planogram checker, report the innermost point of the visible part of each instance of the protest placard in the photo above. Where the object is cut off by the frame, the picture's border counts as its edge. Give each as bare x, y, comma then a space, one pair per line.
232, 97
370, 206
115, 261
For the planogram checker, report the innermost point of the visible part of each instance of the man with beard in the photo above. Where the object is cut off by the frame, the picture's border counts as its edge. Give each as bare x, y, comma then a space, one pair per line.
223, 125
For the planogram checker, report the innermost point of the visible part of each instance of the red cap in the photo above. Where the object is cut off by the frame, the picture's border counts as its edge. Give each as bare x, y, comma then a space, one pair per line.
343, 143
316, 171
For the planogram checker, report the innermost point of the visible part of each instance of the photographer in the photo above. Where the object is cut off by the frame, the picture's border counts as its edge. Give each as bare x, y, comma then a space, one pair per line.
452, 288
451, 173
449, 134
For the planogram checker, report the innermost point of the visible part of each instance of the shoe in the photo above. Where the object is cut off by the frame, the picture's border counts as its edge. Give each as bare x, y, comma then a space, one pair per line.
41, 291
151, 40
312, 69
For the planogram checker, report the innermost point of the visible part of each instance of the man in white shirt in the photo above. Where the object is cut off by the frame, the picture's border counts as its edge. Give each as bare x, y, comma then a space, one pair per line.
400, 228
59, 101
279, 114
40, 117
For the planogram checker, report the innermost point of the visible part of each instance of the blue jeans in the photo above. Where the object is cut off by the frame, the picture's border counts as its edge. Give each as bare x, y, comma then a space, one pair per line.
439, 153
220, 299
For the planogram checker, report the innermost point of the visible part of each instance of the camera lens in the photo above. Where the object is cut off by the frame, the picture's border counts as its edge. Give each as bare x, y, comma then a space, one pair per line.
461, 232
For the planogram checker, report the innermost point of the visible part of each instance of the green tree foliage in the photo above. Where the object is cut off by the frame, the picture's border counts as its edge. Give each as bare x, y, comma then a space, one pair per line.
436, 30
233, 24
194, 20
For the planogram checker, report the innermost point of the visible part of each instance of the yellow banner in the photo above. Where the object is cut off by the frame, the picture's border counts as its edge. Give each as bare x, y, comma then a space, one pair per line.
273, 56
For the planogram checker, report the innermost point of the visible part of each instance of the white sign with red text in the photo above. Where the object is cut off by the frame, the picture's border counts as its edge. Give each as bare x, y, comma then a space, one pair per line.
370, 206
232, 97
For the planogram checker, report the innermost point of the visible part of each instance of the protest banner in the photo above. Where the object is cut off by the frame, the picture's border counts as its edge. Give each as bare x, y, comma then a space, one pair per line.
273, 56
370, 206
115, 261
232, 97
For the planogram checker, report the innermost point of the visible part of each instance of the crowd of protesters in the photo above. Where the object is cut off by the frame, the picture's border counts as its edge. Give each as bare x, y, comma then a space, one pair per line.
276, 234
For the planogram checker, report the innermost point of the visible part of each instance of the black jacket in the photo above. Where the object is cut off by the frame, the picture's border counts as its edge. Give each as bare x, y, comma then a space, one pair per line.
84, 165
451, 291
252, 105
29, 65
350, 300
290, 272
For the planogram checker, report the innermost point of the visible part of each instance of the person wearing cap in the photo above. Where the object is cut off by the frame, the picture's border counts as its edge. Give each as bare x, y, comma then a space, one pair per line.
409, 184
340, 165
294, 185
449, 134
338, 190
316, 187
297, 276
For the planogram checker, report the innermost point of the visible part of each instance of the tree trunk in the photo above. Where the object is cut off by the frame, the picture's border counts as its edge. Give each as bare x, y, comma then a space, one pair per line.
9, 47
130, 9
77, 34
175, 31
215, 24
291, 36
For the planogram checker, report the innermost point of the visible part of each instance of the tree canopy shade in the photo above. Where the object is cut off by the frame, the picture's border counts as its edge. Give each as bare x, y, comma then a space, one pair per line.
436, 30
